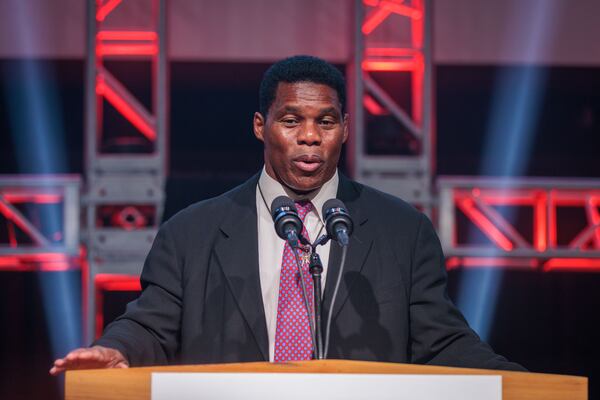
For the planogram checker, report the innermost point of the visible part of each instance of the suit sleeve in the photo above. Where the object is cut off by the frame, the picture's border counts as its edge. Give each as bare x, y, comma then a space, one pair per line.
439, 333
148, 332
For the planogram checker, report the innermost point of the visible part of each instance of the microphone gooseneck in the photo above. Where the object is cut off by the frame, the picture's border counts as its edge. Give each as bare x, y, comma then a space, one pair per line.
339, 226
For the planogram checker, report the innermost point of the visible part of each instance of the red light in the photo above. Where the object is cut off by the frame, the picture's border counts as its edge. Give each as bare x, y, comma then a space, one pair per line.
106, 9
540, 222
373, 107
572, 264
127, 35
38, 262
495, 262
374, 18
468, 207
400, 9
126, 110
127, 49
38, 198
113, 283
384, 65
390, 52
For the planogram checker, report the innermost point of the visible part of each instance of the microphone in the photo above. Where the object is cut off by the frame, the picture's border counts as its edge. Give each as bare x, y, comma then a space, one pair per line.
338, 222
288, 224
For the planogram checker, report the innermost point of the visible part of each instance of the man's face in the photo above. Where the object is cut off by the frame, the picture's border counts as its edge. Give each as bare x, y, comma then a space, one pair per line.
302, 135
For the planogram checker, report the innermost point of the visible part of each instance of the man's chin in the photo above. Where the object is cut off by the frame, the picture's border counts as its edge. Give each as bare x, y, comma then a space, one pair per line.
304, 186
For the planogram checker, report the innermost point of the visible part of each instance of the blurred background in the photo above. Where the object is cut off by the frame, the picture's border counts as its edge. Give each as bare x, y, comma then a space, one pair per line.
115, 114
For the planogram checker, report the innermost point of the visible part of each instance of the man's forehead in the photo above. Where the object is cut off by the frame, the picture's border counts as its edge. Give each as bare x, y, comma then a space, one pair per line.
289, 93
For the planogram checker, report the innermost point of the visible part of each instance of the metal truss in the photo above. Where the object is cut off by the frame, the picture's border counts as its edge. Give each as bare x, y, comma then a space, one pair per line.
41, 217
558, 228
391, 45
126, 143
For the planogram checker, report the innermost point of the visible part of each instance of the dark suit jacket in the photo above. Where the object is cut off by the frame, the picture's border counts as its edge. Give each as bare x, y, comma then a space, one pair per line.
201, 300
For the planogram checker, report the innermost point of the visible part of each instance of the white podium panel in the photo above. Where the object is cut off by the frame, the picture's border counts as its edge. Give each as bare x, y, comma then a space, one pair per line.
269, 386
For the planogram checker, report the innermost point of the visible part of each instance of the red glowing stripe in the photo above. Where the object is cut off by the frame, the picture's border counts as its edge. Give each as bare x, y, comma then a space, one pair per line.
37, 262
572, 264
372, 3
374, 18
125, 109
495, 262
373, 107
126, 49
417, 26
573, 197
594, 216
489, 229
106, 9
111, 282
32, 198
391, 52
398, 66
127, 35
12, 237
400, 9
540, 222
417, 89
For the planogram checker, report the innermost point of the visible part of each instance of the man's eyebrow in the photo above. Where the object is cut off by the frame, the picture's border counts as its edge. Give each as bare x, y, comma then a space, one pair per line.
330, 110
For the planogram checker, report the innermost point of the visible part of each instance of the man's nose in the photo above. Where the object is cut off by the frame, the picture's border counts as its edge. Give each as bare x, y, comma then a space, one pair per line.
310, 134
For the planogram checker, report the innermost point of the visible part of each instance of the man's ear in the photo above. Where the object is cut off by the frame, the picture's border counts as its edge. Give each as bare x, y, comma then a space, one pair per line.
346, 123
259, 126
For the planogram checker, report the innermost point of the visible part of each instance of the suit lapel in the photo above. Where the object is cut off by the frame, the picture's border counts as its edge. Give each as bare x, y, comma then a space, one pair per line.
237, 253
360, 245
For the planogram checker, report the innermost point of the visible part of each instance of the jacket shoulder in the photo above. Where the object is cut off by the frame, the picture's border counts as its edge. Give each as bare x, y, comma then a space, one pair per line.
210, 212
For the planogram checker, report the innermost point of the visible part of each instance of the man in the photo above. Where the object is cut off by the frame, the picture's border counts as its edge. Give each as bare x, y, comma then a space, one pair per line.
220, 286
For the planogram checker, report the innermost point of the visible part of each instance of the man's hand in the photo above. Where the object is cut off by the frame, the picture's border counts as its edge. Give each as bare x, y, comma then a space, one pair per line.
90, 358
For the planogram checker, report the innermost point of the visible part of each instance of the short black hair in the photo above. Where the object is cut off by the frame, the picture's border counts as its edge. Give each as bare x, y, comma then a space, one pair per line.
299, 68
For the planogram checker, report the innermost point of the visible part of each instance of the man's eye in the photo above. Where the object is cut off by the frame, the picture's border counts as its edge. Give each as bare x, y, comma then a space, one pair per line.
289, 121
327, 122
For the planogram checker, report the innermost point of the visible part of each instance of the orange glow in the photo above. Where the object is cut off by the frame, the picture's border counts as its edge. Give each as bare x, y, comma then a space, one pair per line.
126, 110
127, 35
383, 65
572, 264
127, 49
488, 228
372, 106
106, 9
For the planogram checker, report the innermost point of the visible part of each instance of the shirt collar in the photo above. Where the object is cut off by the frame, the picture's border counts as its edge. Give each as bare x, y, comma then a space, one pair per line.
270, 189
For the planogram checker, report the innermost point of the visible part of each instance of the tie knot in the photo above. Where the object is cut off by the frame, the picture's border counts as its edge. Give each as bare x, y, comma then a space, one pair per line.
303, 207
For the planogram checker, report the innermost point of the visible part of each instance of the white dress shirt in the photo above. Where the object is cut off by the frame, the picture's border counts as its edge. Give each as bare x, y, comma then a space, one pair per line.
270, 246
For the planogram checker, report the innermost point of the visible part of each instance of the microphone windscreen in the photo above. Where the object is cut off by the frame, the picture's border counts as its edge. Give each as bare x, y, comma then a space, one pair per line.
331, 204
282, 202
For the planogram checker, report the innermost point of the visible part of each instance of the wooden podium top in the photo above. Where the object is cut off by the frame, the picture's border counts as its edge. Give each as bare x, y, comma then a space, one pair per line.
134, 383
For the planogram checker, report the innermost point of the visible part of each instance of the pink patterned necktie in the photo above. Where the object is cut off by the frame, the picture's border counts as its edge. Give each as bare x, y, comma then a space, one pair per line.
293, 339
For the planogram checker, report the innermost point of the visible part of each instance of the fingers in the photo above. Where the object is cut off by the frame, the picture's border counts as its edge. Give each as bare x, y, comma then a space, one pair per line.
89, 358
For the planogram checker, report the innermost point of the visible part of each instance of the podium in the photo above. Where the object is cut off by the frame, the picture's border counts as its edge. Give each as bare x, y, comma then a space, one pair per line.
134, 383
